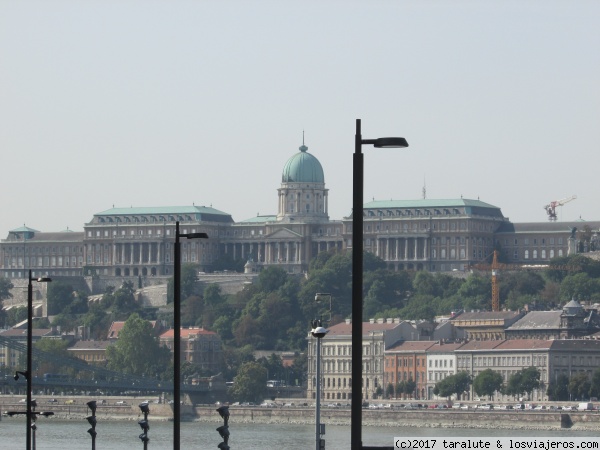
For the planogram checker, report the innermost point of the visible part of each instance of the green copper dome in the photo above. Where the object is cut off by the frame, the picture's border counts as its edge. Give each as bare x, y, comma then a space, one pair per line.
303, 168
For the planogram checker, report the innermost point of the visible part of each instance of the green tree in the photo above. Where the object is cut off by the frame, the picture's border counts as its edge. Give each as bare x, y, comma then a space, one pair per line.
579, 286
595, 384
487, 382
476, 292
97, 321
389, 390
409, 387
188, 285
523, 382
138, 351
60, 296
453, 384
5, 287
558, 390
579, 386
55, 347
16, 315
250, 383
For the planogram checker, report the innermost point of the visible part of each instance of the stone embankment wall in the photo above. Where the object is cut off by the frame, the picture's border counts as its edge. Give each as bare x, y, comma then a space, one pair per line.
421, 419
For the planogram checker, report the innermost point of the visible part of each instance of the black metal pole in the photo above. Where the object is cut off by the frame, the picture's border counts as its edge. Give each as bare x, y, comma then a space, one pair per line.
29, 357
177, 341
357, 288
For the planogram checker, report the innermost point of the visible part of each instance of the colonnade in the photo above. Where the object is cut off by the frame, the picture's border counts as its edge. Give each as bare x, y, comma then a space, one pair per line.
402, 248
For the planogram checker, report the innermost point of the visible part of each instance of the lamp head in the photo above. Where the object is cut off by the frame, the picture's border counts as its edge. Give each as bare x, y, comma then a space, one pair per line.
144, 425
144, 407
33, 426
223, 411
46, 413
43, 280
224, 432
92, 432
33, 403
223, 446
144, 437
390, 142
92, 420
92, 405
196, 236
319, 332
23, 374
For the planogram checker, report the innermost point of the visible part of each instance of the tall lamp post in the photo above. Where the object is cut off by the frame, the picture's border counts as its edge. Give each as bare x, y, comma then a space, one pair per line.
357, 275
177, 332
28, 374
319, 333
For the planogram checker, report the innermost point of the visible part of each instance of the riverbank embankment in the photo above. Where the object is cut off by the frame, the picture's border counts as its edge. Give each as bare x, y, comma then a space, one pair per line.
128, 409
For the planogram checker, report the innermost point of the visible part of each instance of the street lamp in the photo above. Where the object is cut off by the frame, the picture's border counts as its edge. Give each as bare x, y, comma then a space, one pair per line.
357, 274
28, 373
319, 333
177, 332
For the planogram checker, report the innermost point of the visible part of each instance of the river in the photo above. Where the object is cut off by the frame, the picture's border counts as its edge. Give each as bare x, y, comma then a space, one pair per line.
57, 434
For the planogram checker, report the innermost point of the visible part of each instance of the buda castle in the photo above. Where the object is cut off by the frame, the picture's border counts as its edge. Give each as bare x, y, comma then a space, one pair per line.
443, 235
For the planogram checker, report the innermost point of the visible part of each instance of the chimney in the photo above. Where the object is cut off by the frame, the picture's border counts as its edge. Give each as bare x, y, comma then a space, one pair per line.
348, 321
371, 320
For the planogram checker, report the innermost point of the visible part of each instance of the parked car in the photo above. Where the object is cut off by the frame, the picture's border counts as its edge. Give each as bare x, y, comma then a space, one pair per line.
121, 403
52, 400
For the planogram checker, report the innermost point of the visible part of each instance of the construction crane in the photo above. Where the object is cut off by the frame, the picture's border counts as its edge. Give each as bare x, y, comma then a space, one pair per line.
497, 266
551, 207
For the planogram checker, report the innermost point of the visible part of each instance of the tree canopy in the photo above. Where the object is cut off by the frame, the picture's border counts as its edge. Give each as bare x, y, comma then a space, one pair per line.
138, 351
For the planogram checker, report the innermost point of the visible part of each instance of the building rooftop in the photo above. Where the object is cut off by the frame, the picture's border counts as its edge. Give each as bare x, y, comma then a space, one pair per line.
538, 320
186, 333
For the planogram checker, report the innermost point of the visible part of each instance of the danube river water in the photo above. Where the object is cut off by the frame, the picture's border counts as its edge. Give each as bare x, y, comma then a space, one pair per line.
55, 434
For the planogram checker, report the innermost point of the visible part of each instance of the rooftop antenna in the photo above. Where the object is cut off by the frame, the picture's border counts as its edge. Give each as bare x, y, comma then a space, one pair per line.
424, 188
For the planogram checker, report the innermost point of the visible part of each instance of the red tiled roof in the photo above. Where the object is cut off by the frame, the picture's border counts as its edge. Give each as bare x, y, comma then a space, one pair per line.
117, 326
450, 347
525, 344
479, 345
186, 333
411, 346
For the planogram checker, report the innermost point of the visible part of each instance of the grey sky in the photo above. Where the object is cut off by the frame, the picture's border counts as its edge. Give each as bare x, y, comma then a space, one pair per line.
159, 103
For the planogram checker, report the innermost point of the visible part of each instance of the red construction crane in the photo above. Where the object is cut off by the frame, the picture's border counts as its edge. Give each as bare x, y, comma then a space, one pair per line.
497, 266
551, 207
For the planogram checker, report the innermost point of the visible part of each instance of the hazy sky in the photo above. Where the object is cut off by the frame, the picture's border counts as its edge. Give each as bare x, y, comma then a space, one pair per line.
168, 103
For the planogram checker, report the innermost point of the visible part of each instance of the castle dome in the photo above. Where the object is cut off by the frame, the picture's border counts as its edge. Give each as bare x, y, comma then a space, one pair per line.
303, 168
